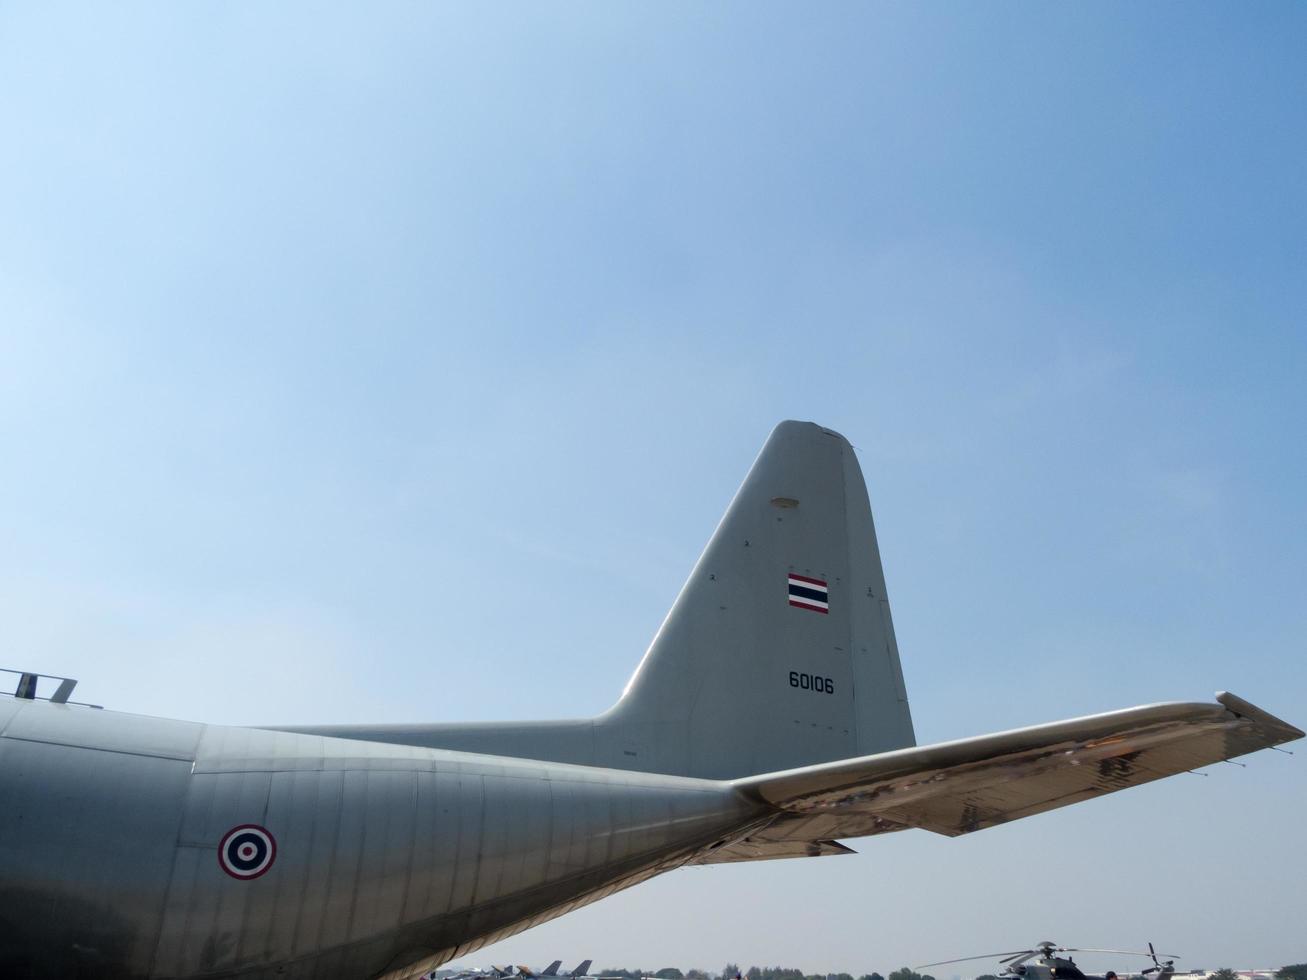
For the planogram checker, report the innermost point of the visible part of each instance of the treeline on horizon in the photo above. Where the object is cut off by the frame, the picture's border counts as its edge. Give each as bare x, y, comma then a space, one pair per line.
1296, 971
764, 973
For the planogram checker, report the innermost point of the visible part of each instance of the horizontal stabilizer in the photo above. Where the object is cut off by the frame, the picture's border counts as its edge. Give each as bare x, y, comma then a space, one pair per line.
761, 849
957, 787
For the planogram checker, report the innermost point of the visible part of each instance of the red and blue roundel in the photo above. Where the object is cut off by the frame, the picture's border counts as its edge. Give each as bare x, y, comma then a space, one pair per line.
247, 851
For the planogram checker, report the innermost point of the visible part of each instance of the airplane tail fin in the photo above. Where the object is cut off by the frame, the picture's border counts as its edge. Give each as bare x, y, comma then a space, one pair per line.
779, 651
582, 969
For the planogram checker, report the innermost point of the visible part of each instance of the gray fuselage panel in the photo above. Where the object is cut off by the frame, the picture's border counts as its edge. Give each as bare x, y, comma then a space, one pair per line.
386, 857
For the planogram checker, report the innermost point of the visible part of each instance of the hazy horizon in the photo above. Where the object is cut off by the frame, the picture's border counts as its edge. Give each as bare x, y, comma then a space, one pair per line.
745, 967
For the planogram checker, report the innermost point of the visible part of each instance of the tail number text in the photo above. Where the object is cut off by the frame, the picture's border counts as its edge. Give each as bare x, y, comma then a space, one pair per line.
811, 682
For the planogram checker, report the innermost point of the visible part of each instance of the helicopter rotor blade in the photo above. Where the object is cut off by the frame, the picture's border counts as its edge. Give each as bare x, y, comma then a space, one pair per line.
1124, 952
982, 956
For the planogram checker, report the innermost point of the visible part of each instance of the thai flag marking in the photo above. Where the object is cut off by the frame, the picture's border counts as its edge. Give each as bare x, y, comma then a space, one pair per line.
809, 593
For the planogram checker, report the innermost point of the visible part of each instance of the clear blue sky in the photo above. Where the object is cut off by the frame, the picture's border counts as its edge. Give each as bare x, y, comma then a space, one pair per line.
394, 362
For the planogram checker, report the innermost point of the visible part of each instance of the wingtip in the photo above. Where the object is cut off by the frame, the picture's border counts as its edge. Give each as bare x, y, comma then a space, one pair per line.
1246, 709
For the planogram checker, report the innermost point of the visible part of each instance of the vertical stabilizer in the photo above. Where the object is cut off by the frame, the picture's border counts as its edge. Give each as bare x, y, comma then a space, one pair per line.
779, 651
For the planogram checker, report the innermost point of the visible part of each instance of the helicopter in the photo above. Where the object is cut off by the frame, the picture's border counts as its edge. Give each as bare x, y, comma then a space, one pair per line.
1042, 963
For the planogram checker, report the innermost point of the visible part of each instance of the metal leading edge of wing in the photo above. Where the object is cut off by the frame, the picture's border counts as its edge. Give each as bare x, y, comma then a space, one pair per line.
958, 787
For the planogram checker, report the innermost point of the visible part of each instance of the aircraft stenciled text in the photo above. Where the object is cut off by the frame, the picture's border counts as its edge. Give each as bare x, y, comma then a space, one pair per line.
812, 682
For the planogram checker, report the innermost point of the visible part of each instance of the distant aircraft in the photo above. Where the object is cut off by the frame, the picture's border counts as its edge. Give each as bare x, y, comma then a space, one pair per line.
549, 971
494, 973
582, 971
767, 719
1043, 963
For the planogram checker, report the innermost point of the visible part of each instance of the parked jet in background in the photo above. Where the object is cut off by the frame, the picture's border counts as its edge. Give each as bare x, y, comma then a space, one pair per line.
502, 973
146, 848
494, 973
549, 971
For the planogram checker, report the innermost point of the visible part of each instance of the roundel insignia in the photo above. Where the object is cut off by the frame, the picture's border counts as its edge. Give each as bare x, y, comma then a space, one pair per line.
247, 851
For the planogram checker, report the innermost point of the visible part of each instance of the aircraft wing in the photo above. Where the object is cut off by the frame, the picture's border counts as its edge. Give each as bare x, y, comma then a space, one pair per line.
957, 787
775, 843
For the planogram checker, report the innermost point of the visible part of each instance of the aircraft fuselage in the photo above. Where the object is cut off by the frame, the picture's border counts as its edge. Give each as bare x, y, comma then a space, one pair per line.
172, 849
